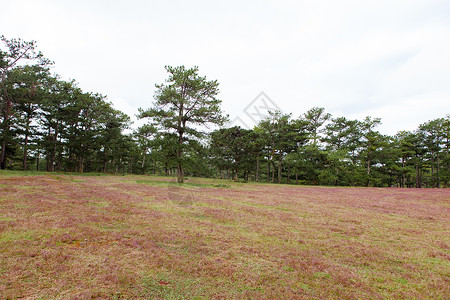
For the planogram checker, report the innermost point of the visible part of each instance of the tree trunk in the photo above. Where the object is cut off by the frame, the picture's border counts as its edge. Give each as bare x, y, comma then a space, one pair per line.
417, 176
273, 173
336, 181
447, 165
5, 124
432, 174
37, 160
143, 161
47, 159
58, 165
438, 172
403, 173
55, 142
3, 156
48, 152
420, 177
289, 174
25, 151
81, 165
280, 168
180, 175
257, 170
130, 169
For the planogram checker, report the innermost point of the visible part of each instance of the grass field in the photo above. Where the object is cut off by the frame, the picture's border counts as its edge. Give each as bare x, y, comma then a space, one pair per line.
82, 237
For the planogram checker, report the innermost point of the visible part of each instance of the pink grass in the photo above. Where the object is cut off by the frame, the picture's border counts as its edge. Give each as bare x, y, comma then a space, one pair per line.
143, 237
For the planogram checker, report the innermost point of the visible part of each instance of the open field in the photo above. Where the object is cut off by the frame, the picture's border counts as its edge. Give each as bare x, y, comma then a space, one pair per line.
83, 237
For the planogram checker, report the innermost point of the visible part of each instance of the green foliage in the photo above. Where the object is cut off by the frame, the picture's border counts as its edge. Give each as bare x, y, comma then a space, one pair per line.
232, 147
47, 120
183, 103
50, 124
14, 54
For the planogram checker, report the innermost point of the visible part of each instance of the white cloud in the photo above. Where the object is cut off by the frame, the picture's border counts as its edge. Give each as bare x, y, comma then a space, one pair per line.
355, 57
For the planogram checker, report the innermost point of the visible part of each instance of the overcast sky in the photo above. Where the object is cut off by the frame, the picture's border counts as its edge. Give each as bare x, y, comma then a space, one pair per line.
356, 58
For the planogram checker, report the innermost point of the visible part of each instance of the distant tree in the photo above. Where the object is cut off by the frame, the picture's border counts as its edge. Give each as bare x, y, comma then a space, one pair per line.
257, 146
14, 53
183, 103
110, 142
403, 141
445, 152
234, 145
282, 136
370, 145
145, 135
342, 140
315, 119
435, 141
26, 88
342, 133
197, 160
58, 120
165, 149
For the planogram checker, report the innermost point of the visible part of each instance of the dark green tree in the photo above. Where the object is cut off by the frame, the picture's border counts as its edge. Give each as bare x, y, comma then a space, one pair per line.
234, 145
182, 104
371, 143
26, 88
145, 135
342, 140
314, 119
282, 136
14, 53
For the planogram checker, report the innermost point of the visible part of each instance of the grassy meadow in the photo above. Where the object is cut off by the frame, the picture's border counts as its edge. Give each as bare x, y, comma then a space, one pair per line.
65, 236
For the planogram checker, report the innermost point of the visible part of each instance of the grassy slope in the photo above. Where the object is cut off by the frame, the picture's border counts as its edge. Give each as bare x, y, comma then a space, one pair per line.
67, 236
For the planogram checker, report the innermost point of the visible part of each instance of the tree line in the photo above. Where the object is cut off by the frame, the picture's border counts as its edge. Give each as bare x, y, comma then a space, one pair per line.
319, 149
50, 124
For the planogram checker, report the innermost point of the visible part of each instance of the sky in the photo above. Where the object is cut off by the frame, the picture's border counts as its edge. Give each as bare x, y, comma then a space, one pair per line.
380, 58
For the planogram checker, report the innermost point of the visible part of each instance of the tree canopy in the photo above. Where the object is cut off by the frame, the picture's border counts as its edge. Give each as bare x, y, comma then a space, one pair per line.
47, 123
185, 101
